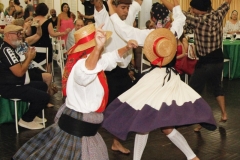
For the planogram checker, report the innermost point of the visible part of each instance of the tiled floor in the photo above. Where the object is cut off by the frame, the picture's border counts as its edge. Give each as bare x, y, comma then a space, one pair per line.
222, 144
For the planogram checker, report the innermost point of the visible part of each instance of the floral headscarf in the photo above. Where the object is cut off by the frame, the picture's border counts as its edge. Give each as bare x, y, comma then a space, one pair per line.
161, 14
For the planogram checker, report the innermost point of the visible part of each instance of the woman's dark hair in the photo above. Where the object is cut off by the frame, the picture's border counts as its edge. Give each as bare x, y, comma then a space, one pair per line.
148, 22
182, 36
232, 13
41, 9
68, 13
16, 2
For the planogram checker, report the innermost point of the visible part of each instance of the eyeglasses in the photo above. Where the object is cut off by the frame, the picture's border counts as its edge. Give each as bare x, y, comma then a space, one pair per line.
17, 33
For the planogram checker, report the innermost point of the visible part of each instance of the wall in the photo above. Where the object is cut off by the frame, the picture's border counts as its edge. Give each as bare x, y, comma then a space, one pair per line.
144, 15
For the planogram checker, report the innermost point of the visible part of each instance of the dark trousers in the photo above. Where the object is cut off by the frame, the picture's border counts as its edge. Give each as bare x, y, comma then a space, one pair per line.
34, 93
118, 82
204, 73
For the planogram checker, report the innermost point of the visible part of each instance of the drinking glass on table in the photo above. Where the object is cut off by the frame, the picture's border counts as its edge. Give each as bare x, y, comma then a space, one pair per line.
234, 36
224, 36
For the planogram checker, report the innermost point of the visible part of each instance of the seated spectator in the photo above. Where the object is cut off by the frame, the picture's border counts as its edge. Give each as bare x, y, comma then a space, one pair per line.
15, 81
10, 9
19, 9
35, 73
70, 39
47, 29
233, 24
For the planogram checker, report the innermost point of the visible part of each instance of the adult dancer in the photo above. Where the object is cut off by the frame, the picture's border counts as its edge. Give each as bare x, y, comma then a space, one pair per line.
160, 99
75, 135
207, 25
119, 79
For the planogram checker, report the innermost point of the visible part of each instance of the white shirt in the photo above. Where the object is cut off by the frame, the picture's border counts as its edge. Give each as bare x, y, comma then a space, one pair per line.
128, 32
232, 27
116, 42
70, 39
85, 93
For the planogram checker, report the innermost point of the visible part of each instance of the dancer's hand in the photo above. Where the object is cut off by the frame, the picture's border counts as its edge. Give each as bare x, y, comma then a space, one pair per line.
100, 37
132, 44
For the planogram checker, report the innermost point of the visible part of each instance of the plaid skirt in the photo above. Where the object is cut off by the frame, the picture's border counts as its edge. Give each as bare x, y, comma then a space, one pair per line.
56, 144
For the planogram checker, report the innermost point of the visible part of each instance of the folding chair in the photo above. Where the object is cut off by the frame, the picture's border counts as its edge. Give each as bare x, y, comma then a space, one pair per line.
229, 66
16, 114
60, 48
192, 55
40, 65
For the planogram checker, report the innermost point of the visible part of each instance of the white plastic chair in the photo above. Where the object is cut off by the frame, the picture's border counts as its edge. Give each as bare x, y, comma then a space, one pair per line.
192, 55
40, 65
59, 46
229, 66
16, 114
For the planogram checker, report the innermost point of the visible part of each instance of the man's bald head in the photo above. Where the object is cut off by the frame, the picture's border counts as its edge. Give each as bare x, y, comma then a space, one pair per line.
78, 24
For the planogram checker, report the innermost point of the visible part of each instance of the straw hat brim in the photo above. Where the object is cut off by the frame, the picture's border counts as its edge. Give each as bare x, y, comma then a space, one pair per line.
87, 45
152, 37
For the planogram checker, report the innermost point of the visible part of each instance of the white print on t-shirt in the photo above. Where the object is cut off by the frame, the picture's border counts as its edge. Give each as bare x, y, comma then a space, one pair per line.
10, 55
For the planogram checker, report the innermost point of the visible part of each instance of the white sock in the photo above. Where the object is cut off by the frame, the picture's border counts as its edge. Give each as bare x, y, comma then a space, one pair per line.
139, 145
181, 143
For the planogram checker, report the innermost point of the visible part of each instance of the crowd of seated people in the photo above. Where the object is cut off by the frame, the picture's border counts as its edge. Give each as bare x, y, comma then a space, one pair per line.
36, 31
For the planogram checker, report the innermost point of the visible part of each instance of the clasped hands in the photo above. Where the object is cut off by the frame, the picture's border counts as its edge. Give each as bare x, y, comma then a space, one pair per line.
31, 53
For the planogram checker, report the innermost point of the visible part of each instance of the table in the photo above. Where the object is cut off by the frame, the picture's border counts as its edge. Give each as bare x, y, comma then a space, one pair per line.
7, 112
231, 50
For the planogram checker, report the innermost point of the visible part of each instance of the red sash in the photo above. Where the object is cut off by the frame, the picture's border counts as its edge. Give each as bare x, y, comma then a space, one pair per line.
103, 80
71, 60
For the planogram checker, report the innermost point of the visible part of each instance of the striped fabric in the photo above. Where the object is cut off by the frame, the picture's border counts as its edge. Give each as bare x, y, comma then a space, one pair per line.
55, 144
208, 29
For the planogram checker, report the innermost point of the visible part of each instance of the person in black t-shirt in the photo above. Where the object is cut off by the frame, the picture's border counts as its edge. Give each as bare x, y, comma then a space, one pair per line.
29, 10
89, 9
53, 18
15, 81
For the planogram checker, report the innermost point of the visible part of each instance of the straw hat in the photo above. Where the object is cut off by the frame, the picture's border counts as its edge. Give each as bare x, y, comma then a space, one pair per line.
160, 46
85, 38
18, 22
12, 28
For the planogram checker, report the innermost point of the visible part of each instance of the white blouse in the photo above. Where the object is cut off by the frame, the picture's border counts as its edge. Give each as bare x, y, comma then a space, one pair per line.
84, 90
232, 27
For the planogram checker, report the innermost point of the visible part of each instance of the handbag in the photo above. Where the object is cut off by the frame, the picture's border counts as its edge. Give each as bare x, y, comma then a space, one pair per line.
187, 65
52, 89
189, 62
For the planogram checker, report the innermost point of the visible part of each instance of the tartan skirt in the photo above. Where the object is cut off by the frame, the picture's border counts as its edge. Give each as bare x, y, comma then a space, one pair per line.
56, 144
